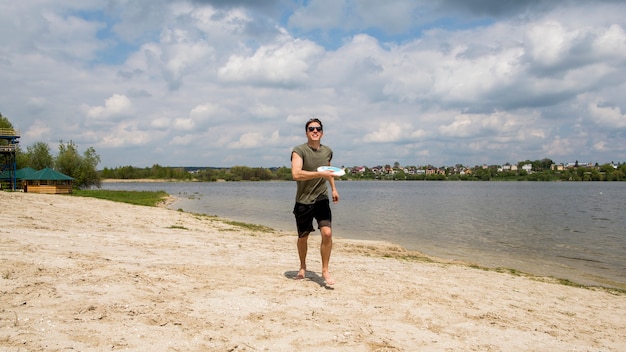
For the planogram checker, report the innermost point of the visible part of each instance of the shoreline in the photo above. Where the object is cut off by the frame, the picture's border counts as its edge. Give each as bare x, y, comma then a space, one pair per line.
570, 260
611, 285
144, 180
89, 274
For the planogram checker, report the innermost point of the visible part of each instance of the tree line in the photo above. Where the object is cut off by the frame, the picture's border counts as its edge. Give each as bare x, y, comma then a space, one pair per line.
209, 174
83, 168
68, 160
606, 172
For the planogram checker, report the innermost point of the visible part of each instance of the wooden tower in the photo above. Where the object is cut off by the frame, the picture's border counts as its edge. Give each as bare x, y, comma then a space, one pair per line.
9, 138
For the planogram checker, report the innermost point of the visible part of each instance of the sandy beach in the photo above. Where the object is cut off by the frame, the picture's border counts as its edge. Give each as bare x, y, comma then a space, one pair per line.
82, 274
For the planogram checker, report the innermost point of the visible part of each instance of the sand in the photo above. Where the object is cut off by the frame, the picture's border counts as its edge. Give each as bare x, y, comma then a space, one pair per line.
81, 274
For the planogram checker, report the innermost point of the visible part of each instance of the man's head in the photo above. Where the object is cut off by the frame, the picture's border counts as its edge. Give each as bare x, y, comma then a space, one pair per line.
313, 125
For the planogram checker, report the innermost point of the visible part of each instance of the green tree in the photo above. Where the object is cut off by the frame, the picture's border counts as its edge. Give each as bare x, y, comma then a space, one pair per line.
245, 173
19, 158
4, 122
207, 175
543, 164
617, 172
399, 175
68, 159
38, 156
82, 168
284, 173
89, 168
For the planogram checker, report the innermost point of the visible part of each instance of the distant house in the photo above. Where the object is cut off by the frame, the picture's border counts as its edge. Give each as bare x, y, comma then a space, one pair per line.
47, 181
528, 168
557, 167
358, 170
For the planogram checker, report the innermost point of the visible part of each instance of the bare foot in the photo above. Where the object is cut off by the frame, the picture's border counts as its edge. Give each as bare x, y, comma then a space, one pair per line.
328, 278
301, 274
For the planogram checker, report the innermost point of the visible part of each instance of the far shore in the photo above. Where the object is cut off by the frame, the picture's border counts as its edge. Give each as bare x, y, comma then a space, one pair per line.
87, 274
150, 180
111, 180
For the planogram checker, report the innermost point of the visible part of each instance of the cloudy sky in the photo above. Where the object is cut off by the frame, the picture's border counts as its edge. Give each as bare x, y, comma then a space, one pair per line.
232, 82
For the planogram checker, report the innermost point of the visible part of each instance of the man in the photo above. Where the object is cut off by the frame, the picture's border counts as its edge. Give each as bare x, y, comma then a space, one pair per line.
312, 200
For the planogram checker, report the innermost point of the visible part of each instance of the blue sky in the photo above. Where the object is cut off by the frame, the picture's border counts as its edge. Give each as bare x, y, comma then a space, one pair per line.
227, 82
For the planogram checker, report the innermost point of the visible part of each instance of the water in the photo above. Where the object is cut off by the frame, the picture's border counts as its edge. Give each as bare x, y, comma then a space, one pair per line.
575, 231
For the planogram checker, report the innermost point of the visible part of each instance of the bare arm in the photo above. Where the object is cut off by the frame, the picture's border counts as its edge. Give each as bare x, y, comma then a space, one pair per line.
335, 194
302, 175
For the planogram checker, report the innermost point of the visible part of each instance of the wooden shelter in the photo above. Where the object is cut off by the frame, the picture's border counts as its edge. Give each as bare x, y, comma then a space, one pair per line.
47, 181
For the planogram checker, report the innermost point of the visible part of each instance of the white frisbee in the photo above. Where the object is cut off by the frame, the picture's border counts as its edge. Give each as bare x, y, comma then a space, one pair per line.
336, 171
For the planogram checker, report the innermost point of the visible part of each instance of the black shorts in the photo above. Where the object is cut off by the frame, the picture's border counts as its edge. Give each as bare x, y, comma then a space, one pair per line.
305, 213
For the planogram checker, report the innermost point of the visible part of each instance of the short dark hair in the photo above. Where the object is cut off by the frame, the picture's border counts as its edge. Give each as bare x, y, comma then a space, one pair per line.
311, 121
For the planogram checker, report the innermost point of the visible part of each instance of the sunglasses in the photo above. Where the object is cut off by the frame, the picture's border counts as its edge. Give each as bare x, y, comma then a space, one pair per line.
315, 128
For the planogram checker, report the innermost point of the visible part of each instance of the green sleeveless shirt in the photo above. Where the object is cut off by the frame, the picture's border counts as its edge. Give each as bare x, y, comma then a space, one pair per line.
310, 191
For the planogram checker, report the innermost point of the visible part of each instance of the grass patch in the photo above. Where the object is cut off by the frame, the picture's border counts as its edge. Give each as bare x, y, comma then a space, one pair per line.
513, 272
616, 291
560, 281
412, 258
147, 198
567, 282
251, 227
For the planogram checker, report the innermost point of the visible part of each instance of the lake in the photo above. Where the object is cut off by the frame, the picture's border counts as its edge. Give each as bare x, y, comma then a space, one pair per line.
570, 230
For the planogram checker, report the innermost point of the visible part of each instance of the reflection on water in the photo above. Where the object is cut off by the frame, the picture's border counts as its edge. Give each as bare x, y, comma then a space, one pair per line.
569, 230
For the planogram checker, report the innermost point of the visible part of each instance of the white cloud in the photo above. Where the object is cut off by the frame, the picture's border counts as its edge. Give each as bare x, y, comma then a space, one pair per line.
611, 41
462, 126
115, 106
182, 55
255, 139
126, 134
37, 131
160, 123
420, 133
284, 64
559, 147
204, 111
183, 124
601, 146
318, 14
498, 127
264, 110
249, 140
388, 132
183, 140
607, 116
548, 43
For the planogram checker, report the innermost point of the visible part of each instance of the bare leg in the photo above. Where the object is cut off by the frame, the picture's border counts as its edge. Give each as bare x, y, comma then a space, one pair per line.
325, 249
302, 250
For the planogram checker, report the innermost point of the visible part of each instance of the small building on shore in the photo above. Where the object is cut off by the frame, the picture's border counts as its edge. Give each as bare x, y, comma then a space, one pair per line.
47, 181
